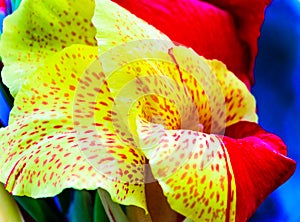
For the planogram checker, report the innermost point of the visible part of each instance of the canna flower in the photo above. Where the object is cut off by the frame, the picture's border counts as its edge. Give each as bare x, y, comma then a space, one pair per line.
105, 100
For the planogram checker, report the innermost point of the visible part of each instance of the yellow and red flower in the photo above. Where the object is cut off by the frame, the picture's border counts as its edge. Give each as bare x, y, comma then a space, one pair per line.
105, 100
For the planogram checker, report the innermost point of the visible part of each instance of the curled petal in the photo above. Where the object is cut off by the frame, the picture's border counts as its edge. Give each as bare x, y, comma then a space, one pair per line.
228, 98
259, 165
173, 165
194, 171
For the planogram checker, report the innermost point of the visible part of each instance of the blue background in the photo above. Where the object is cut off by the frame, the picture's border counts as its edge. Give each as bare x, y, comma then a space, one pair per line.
277, 91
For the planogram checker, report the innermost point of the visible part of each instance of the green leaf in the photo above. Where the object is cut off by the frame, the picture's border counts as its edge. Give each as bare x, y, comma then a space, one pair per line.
81, 208
113, 210
9, 210
99, 211
39, 209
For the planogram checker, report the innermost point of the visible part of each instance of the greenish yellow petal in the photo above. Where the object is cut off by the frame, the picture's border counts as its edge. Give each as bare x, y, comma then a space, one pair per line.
40, 125
42, 153
240, 103
36, 30
228, 99
107, 102
194, 171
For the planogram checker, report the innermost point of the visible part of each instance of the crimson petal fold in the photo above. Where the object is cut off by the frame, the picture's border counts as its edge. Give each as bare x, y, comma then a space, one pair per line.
259, 165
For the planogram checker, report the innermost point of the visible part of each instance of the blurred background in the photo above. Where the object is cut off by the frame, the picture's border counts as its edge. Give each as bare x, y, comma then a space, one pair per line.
277, 91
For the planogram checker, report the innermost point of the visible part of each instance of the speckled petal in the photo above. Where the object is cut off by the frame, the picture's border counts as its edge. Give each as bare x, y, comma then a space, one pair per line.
227, 98
38, 29
155, 100
240, 103
194, 168
42, 151
194, 171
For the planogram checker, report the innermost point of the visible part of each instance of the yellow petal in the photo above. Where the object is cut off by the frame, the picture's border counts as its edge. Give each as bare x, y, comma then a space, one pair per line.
193, 170
39, 29
240, 103
42, 153
228, 99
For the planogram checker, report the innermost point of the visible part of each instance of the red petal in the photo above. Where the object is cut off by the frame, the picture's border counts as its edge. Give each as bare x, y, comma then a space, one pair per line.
249, 18
258, 163
228, 35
